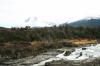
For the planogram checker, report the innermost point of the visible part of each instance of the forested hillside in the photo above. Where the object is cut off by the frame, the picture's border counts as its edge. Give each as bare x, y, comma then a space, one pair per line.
29, 34
93, 22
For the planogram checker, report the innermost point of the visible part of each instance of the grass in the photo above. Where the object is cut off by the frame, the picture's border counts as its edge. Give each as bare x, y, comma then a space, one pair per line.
83, 41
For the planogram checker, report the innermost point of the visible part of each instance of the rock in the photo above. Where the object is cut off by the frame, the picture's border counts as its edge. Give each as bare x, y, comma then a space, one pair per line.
47, 64
84, 48
67, 53
95, 62
59, 63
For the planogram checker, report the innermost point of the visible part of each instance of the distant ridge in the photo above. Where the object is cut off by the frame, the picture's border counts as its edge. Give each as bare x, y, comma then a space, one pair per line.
89, 22
3, 28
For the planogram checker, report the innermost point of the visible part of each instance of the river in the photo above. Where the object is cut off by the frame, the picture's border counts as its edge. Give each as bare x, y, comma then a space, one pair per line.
82, 53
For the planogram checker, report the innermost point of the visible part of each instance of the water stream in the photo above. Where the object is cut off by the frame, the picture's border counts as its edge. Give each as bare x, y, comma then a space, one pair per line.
92, 51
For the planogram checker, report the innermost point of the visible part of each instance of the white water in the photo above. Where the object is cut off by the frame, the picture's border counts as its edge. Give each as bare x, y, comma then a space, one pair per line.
42, 63
78, 54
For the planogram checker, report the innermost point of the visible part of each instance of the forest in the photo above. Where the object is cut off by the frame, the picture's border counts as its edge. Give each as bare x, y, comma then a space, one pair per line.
29, 34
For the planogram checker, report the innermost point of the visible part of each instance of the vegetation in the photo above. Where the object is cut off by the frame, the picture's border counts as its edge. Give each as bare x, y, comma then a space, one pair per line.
22, 42
54, 33
93, 22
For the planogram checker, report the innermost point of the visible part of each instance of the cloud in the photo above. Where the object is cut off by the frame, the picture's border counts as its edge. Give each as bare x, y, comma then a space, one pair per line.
14, 12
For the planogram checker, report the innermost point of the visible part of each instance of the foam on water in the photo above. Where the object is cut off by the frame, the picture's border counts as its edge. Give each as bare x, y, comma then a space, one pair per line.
80, 54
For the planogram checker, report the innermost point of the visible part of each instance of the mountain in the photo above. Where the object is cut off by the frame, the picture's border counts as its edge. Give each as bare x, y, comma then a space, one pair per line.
3, 28
93, 22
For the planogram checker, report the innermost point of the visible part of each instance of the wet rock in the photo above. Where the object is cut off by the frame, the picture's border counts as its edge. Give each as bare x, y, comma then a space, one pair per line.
59, 63
84, 48
95, 62
67, 53
47, 64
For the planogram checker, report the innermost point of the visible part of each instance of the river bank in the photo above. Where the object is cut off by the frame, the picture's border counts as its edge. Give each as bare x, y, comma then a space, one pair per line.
28, 61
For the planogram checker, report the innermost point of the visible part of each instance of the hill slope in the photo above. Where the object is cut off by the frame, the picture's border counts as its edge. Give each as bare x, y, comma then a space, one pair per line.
86, 23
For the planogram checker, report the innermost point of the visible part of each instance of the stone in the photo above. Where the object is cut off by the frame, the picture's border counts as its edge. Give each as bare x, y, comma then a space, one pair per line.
84, 48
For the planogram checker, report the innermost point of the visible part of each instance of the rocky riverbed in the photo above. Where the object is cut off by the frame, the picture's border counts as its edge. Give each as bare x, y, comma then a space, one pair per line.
84, 56
30, 61
74, 56
87, 62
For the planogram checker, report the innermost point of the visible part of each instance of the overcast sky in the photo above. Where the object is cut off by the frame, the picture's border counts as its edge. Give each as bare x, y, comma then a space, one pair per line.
44, 12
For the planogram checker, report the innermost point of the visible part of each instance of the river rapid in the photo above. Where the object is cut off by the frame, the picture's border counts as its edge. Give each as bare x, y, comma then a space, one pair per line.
78, 54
